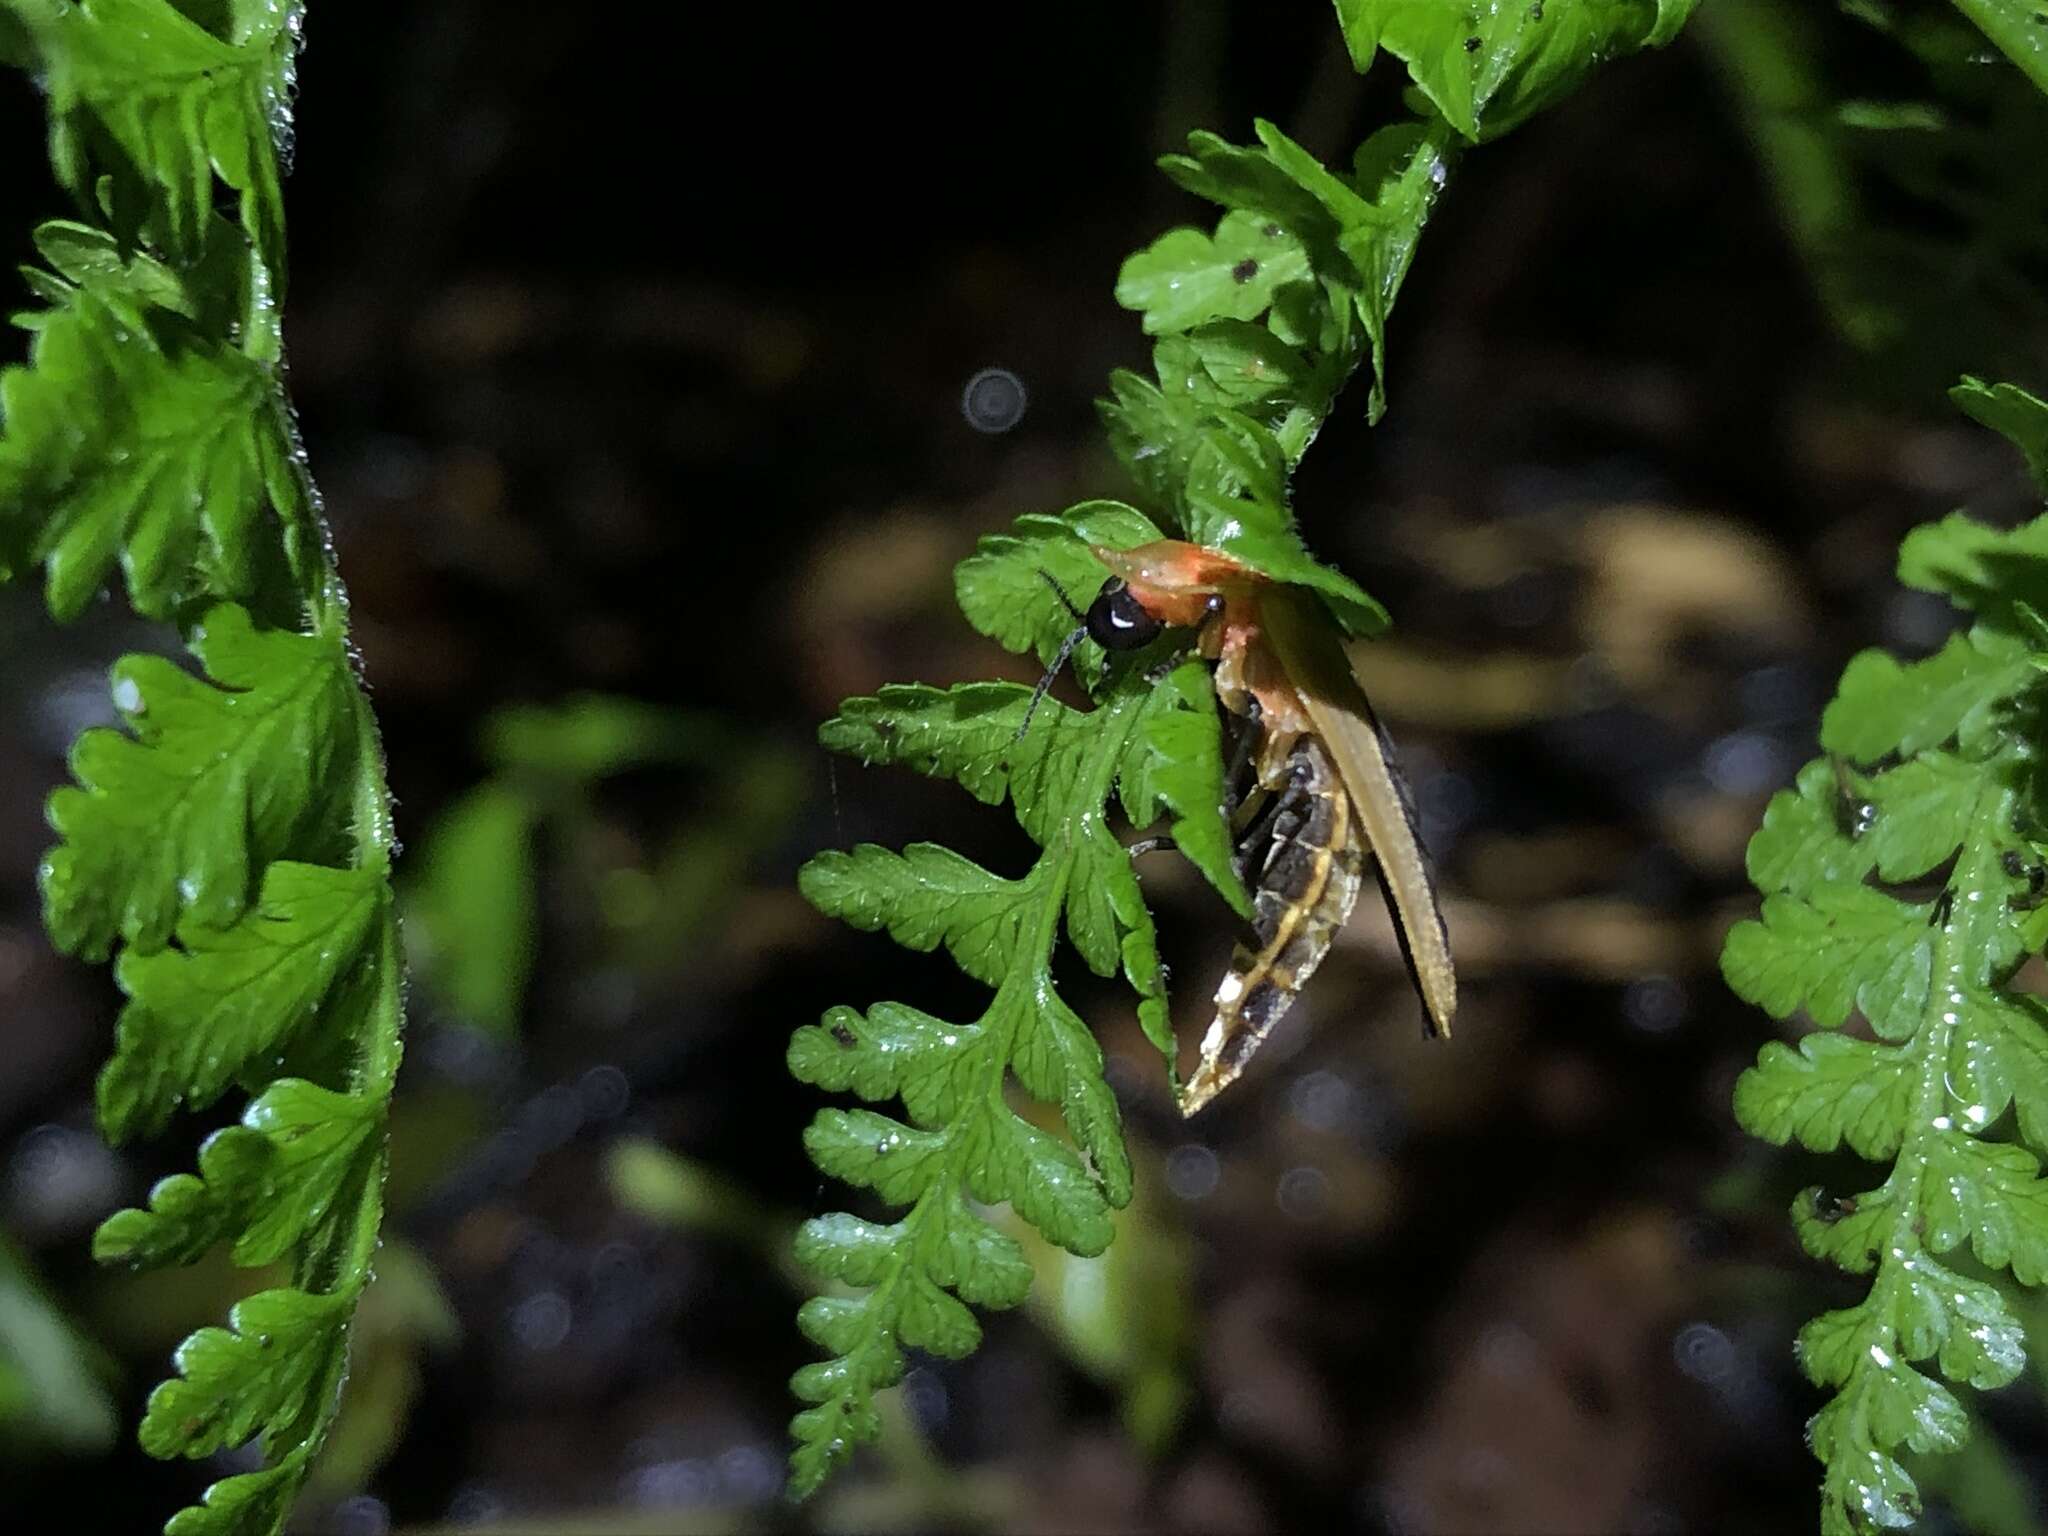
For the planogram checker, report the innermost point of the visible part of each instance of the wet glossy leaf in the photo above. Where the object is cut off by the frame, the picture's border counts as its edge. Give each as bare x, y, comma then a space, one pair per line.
1849, 948
1923, 809
1949, 740
2000, 1059
261, 1185
1805, 841
1173, 770
894, 1051
250, 1504
1831, 1090
1262, 320
2018, 30
1358, 234
1489, 67
925, 896
965, 733
1002, 587
1187, 278
1992, 1195
1885, 706
177, 105
263, 1374
236, 836
200, 1013
1235, 365
961, 1141
1852, 1231
214, 780
135, 439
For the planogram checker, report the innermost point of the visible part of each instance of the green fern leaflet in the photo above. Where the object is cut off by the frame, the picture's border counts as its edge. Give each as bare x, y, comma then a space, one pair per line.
961, 1142
231, 847
1902, 882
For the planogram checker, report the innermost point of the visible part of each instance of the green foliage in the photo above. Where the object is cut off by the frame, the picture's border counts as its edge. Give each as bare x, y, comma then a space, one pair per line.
135, 437
1931, 779
147, 107
1263, 320
1488, 67
53, 1389
219, 778
232, 846
2018, 30
472, 908
214, 1007
1913, 215
2011, 410
961, 1140
1157, 749
405, 1316
1259, 320
1125, 1317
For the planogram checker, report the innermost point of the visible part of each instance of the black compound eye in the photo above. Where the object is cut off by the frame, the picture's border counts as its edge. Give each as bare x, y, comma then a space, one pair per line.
1117, 622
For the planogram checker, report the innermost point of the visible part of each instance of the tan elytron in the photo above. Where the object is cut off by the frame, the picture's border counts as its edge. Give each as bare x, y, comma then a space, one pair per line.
1340, 715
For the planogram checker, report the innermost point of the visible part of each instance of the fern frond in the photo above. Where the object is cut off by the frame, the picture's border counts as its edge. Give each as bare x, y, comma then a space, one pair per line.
210, 1010
2010, 410
1320, 258
261, 1186
1489, 67
1260, 320
1156, 749
138, 89
1944, 766
219, 778
136, 438
234, 844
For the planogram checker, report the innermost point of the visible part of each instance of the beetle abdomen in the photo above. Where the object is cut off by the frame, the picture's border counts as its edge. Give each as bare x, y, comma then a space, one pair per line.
1306, 879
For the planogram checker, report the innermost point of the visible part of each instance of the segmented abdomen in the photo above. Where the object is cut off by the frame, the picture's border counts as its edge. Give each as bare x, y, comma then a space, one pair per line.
1305, 884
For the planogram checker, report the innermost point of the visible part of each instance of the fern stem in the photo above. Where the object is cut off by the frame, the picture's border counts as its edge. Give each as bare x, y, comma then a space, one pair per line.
374, 1072
1971, 885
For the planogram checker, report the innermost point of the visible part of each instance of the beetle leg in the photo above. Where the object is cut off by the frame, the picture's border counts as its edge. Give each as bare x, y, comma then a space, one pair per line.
1280, 811
1241, 751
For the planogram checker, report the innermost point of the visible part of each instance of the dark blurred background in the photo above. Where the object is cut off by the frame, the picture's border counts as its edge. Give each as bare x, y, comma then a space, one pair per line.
630, 347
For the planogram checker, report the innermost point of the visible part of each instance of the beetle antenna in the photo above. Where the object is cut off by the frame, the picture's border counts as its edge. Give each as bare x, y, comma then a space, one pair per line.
1061, 593
1074, 638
